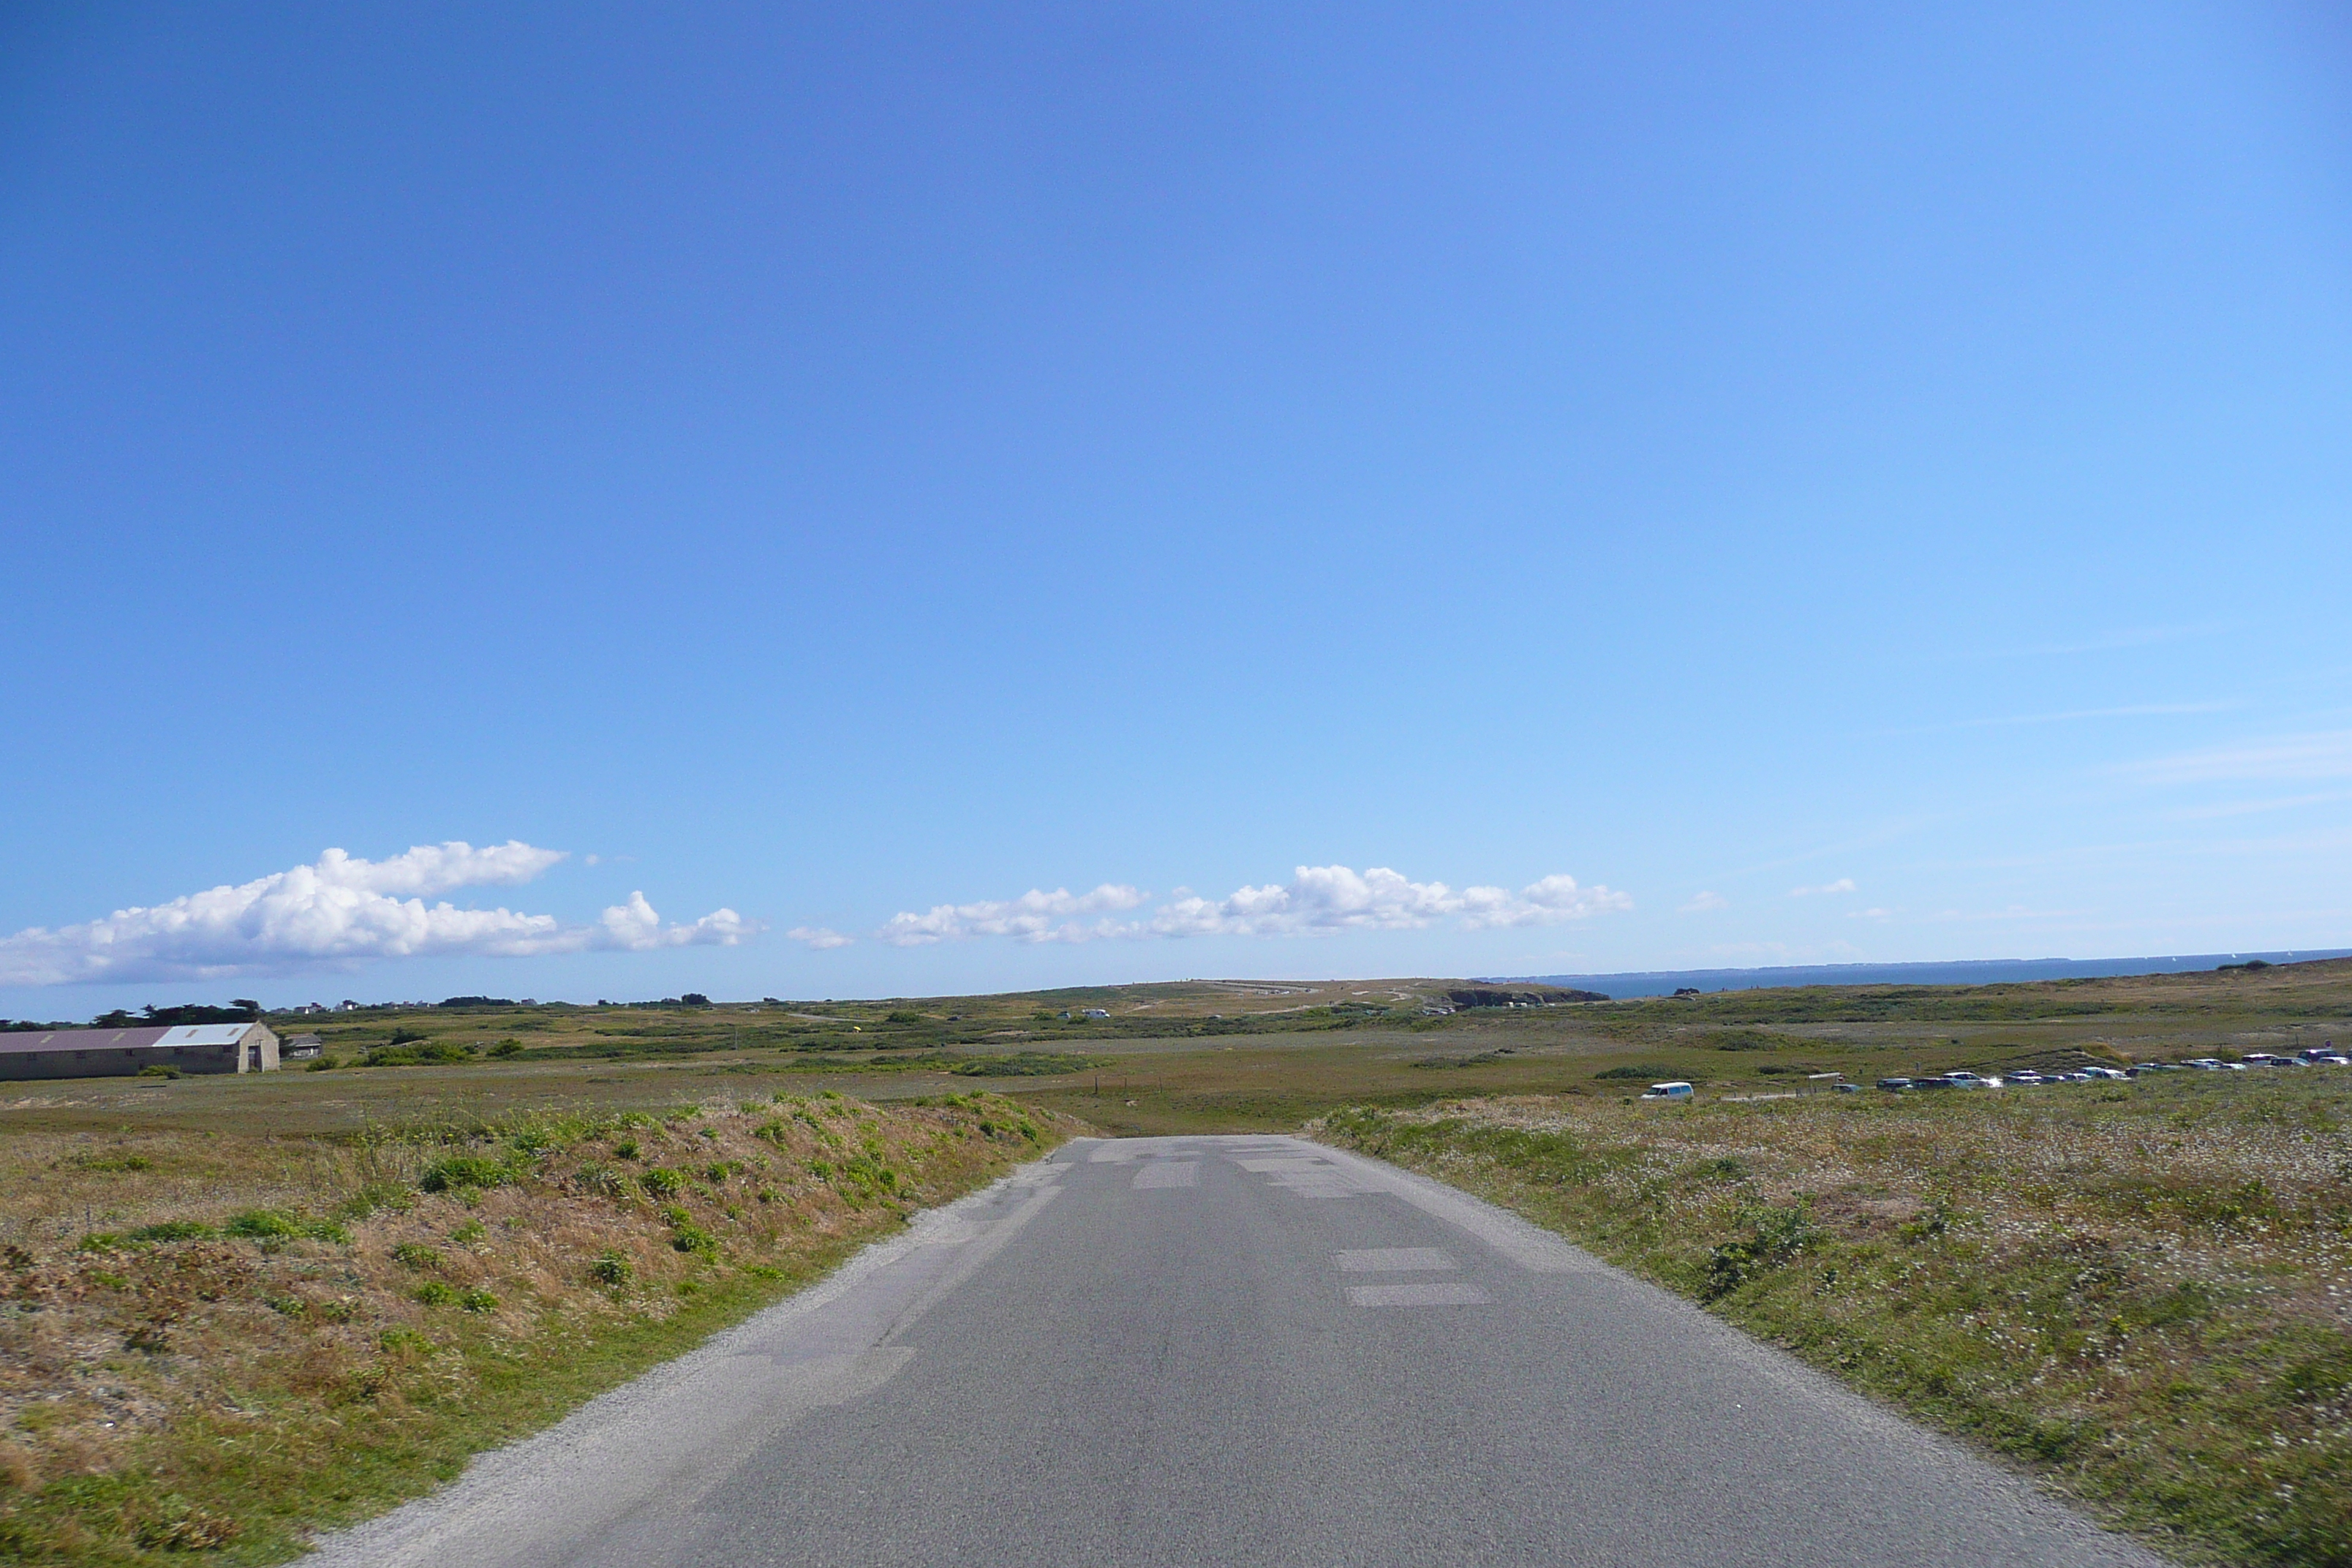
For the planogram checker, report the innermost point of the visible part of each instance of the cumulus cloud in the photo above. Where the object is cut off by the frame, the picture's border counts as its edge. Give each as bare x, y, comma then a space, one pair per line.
1034, 916
1842, 885
1318, 898
1704, 903
340, 911
821, 938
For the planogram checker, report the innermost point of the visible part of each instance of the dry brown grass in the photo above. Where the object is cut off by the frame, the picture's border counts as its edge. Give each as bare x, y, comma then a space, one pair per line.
227, 1390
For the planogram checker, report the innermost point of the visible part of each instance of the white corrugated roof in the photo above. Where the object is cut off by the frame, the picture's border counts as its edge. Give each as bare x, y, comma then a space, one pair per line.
203, 1035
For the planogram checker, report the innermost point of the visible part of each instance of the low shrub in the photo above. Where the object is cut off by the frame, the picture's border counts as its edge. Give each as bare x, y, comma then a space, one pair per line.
159, 1069
415, 1255
462, 1171
435, 1293
277, 1224
661, 1181
612, 1268
1778, 1234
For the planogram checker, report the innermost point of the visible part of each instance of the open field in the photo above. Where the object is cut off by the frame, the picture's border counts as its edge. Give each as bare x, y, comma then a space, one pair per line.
227, 1337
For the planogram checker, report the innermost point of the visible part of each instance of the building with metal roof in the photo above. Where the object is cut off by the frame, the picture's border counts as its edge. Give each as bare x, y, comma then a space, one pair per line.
117, 1053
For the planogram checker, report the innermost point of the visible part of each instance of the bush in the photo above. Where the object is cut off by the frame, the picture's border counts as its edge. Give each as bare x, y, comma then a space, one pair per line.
601, 1180
507, 1049
323, 1064
183, 1527
661, 1181
612, 1268
478, 1301
1649, 1072
693, 1239
159, 1069
277, 1224
465, 1234
1023, 1064
425, 1053
417, 1255
433, 1293
172, 1230
1780, 1235
626, 1149
463, 1170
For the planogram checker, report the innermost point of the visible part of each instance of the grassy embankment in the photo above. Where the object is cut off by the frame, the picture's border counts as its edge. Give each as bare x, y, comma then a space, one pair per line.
219, 1340
2138, 1290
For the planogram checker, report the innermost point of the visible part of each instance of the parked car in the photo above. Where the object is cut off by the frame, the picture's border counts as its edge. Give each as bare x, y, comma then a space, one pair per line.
1844, 1088
2074, 1077
1892, 1084
1675, 1090
2264, 1059
2336, 1059
2023, 1075
1931, 1083
1963, 1078
2326, 1052
2107, 1073
2156, 1066
2205, 1063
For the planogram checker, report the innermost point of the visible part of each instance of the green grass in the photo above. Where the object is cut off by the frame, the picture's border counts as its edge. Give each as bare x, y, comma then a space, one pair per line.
152, 1173
229, 1376
2136, 1290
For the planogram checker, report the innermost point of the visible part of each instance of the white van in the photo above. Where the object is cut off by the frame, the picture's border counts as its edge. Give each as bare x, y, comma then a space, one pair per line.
1676, 1090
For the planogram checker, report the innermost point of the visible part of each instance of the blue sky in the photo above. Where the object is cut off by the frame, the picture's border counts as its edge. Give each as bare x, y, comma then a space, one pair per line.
1611, 466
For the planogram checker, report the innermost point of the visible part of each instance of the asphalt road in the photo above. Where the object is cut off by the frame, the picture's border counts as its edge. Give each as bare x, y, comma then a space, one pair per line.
1230, 1350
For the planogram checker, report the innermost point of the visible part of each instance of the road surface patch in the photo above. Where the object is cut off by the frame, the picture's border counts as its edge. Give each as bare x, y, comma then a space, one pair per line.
1419, 1293
1391, 1260
1169, 1173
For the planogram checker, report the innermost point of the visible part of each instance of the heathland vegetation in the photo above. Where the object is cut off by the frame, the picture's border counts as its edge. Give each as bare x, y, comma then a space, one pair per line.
239, 1307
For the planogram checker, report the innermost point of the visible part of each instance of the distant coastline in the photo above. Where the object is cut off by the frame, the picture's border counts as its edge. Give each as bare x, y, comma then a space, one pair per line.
1971, 972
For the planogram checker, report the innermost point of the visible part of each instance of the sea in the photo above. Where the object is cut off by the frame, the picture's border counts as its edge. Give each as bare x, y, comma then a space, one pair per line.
1971, 972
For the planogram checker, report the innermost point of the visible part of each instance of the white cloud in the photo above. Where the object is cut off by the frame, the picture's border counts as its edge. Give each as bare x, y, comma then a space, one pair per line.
2253, 807
1872, 914
821, 938
1704, 903
2322, 755
1034, 916
2073, 715
1318, 898
634, 927
1842, 885
340, 911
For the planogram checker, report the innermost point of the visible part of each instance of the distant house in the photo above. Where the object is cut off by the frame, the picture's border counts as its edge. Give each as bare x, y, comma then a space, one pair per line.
311, 1007
301, 1048
347, 1005
117, 1053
